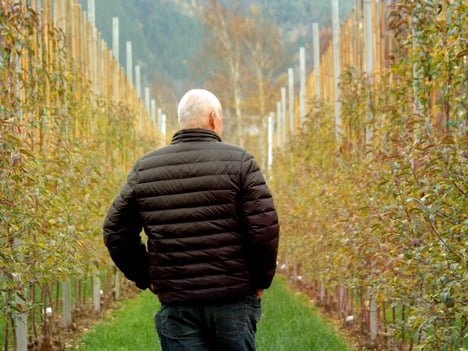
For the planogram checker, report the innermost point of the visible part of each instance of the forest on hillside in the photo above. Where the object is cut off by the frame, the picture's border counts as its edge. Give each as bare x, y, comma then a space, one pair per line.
168, 35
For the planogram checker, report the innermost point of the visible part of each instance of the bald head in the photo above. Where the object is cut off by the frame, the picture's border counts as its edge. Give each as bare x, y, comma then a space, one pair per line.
200, 108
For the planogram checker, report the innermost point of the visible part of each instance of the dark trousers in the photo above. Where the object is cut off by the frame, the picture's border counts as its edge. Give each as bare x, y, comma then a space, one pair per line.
217, 327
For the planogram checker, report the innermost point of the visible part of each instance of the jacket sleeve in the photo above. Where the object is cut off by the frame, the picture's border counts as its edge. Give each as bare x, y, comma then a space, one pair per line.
121, 234
261, 220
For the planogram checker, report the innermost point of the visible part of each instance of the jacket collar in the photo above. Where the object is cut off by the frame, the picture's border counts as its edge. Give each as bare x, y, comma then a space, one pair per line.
195, 134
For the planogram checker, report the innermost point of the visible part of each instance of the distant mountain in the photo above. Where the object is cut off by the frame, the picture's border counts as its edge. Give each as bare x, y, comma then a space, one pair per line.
163, 34
166, 34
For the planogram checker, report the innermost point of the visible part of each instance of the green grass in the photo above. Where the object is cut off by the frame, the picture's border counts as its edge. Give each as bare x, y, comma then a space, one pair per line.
289, 322
129, 328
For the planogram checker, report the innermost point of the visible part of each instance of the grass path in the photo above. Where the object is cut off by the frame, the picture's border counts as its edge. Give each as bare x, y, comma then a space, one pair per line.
289, 322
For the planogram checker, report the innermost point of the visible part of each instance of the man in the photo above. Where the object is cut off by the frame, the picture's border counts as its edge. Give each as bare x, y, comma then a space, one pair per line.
212, 233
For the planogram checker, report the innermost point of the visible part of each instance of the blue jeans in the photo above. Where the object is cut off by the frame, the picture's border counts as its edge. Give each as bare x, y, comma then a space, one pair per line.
217, 327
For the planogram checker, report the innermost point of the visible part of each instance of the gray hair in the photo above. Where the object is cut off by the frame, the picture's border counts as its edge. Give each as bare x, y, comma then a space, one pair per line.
195, 106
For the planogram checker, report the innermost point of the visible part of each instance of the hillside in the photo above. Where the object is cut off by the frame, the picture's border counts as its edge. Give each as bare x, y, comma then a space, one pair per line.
166, 34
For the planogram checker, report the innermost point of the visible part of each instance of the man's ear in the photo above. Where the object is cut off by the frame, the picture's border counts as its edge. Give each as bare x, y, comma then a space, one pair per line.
212, 120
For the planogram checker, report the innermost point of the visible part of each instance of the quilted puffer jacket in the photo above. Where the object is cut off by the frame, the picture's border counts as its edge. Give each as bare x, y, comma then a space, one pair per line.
211, 225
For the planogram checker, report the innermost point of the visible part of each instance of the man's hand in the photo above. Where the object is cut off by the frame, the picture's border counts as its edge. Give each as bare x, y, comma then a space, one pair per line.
259, 293
153, 289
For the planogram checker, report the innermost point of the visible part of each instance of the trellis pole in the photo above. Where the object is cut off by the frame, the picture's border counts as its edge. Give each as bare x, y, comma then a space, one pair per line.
153, 111
21, 326
369, 66
336, 66
147, 98
283, 115
316, 53
163, 127
115, 37
159, 119
67, 305
372, 317
93, 50
302, 81
291, 100
21, 317
278, 123
138, 80
96, 291
418, 107
116, 284
129, 61
270, 140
